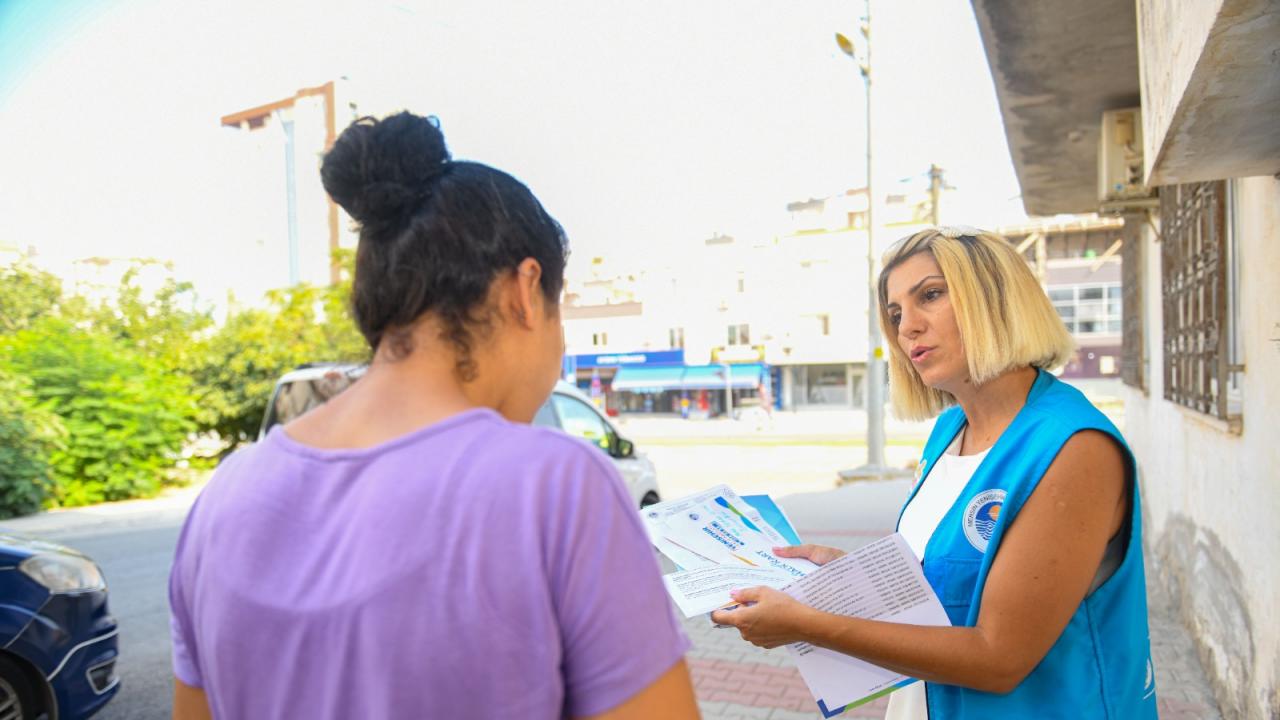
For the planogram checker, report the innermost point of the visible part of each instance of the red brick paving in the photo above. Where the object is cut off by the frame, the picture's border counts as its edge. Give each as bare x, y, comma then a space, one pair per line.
762, 686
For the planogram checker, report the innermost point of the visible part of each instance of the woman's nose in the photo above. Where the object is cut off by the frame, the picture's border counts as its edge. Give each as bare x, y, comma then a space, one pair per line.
911, 323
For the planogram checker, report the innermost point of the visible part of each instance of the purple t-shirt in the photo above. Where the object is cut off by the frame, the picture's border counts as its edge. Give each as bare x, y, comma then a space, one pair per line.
474, 568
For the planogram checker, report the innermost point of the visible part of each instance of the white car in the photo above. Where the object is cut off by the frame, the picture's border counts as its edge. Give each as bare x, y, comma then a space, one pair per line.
567, 410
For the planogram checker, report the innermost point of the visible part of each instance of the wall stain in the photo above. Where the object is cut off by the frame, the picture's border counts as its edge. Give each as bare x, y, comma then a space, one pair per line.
1206, 583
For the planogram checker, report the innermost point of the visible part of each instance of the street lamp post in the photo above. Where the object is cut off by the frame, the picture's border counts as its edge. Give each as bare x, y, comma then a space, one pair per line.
875, 466
728, 390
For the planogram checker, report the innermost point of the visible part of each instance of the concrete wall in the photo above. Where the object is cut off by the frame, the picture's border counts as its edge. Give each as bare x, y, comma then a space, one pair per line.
624, 334
1212, 497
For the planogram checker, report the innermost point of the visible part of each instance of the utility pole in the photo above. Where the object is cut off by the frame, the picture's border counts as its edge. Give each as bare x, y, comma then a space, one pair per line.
1042, 260
875, 380
936, 184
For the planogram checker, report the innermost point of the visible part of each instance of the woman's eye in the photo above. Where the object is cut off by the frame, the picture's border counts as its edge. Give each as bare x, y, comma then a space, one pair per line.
933, 293
895, 319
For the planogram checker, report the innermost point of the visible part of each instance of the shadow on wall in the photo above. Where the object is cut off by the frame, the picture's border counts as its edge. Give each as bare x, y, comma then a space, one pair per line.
1205, 581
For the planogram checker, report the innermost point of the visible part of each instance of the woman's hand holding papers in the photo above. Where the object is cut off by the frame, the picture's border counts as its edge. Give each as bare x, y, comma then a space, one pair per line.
766, 617
816, 554
770, 618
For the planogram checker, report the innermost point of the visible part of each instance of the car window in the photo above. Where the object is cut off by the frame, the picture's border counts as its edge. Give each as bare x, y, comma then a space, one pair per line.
296, 398
546, 417
579, 420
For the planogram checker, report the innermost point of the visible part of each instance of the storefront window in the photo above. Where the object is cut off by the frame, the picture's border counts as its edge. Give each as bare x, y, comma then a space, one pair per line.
828, 385
1089, 309
821, 386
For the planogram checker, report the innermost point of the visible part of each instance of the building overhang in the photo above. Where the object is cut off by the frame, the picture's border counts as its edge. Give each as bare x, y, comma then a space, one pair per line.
1211, 95
254, 117
1206, 75
1057, 66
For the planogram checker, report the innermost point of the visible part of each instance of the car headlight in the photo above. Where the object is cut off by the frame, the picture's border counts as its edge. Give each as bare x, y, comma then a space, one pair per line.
63, 573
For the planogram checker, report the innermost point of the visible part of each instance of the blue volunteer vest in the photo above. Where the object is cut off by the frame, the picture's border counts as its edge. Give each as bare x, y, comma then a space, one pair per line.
1100, 667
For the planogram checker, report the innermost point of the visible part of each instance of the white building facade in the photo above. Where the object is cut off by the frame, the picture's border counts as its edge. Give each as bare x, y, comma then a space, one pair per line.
792, 308
1164, 113
284, 228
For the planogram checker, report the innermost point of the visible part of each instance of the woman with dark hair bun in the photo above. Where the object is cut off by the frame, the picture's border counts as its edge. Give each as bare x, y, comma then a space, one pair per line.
413, 548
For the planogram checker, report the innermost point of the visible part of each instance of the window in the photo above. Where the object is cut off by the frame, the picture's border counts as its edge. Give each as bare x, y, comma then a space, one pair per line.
546, 417
817, 325
739, 334
579, 420
1107, 364
1197, 258
675, 338
1089, 309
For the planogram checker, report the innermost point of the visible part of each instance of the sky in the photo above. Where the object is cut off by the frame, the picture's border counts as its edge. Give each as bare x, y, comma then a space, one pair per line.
644, 127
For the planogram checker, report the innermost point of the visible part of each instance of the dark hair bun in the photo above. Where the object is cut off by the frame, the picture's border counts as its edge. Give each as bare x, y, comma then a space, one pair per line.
379, 171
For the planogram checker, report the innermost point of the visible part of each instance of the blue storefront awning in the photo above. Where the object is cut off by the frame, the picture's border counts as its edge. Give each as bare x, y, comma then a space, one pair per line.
692, 377
703, 377
712, 377
648, 379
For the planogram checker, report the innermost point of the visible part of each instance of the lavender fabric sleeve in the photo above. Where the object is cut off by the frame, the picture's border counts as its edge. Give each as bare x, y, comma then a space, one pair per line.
618, 630
186, 666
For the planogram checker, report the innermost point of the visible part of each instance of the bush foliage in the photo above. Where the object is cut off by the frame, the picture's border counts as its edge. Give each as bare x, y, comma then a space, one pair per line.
126, 419
99, 400
29, 434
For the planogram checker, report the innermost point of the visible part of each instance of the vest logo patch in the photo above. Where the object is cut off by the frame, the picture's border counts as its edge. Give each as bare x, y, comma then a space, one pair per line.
980, 517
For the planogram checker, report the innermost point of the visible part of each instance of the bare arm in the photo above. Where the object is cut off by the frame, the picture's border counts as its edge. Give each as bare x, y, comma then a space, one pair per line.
670, 696
1045, 564
189, 703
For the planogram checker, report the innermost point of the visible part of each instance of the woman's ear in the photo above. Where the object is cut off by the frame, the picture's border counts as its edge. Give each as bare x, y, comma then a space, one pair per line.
527, 300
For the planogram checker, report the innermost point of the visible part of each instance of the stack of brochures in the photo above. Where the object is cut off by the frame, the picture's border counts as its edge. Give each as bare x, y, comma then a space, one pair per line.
720, 541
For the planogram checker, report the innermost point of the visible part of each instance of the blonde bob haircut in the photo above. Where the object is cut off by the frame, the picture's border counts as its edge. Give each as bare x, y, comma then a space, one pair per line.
1006, 321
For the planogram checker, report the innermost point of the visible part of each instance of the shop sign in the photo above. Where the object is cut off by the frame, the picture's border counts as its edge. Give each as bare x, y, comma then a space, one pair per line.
655, 357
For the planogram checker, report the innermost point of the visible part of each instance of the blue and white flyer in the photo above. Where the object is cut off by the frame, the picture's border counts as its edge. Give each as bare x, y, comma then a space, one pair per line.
720, 543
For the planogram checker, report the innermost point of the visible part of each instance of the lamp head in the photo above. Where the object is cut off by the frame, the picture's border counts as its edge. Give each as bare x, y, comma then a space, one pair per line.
846, 45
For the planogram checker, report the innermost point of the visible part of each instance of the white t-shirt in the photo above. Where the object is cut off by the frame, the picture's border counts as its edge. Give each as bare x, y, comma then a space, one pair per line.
942, 487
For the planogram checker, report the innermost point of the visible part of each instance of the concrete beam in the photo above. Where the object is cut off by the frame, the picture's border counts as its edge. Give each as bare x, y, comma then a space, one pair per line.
1210, 89
1057, 66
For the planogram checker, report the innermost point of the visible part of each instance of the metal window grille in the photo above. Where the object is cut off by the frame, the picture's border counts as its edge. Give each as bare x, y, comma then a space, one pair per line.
1195, 265
1132, 362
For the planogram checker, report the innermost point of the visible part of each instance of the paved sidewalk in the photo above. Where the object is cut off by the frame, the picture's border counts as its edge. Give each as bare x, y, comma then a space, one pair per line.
808, 425
735, 680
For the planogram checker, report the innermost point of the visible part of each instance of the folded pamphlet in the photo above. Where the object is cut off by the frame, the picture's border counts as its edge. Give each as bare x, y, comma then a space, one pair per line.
721, 541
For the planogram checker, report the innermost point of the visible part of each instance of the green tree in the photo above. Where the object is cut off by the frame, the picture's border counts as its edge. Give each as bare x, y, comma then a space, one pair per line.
26, 293
28, 436
166, 325
240, 363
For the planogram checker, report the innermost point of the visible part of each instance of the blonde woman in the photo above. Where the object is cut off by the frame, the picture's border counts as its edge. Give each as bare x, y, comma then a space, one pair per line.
1026, 515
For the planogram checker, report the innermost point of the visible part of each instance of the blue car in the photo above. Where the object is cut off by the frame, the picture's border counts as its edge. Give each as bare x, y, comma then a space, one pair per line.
58, 640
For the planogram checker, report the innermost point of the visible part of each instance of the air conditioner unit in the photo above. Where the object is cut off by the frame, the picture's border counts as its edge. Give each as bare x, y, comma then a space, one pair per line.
1120, 170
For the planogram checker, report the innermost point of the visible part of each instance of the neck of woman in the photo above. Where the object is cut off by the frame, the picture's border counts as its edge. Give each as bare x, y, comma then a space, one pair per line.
991, 406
